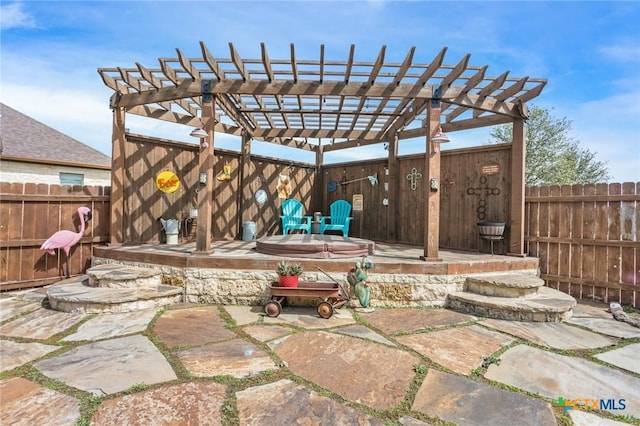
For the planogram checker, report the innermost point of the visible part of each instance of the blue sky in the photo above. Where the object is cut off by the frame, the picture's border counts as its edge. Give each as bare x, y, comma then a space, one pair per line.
588, 51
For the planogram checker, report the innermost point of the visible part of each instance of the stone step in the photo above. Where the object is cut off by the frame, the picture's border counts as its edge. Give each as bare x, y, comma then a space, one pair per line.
547, 305
508, 285
79, 297
123, 276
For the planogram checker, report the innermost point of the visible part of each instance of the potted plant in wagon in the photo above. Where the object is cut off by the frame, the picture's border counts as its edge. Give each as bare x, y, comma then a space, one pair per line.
289, 273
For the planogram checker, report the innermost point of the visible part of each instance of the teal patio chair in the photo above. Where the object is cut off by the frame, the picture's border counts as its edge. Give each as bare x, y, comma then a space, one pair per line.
293, 217
340, 218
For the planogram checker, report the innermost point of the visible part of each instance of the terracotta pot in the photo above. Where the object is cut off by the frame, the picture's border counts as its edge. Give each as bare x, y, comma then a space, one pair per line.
288, 281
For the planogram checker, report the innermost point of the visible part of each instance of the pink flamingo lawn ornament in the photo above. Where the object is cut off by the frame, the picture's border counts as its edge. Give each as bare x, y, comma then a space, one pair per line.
66, 239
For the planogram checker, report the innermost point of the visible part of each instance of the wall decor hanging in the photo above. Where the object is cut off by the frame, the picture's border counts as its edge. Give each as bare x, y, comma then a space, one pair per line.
167, 182
284, 186
225, 174
482, 191
261, 196
332, 186
413, 177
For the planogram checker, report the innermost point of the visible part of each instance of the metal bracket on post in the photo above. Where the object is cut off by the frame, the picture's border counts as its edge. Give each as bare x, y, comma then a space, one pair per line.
436, 97
205, 87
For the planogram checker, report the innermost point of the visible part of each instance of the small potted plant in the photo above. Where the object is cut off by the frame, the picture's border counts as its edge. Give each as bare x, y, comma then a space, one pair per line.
289, 273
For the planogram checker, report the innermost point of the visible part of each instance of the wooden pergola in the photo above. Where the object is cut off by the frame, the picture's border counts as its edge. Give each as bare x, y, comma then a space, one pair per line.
323, 105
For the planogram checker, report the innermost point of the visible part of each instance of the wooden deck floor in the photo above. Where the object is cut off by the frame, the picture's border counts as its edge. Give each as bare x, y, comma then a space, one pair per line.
388, 258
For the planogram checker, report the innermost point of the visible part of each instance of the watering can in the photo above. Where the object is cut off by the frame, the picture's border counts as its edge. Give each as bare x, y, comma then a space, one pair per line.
171, 229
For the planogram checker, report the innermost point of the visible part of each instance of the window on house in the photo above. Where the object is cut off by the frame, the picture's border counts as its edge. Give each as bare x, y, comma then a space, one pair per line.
71, 179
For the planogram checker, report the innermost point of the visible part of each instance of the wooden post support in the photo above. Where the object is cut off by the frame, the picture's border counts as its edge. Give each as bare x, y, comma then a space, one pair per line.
393, 179
118, 143
317, 200
246, 188
206, 192
518, 156
432, 197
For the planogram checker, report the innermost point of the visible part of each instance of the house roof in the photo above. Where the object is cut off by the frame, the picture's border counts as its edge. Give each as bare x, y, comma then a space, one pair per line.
23, 138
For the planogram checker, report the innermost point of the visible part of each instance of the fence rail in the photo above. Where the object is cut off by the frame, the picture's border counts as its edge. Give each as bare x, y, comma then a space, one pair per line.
29, 214
587, 238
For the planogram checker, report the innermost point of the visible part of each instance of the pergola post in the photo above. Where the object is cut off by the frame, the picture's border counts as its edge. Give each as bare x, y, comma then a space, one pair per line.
432, 184
245, 171
393, 184
518, 157
318, 195
118, 142
205, 165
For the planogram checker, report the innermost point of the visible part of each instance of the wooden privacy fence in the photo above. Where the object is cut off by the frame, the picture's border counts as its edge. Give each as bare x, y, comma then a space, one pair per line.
30, 213
588, 239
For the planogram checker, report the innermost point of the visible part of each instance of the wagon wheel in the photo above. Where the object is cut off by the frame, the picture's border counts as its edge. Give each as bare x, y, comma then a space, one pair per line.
273, 308
325, 309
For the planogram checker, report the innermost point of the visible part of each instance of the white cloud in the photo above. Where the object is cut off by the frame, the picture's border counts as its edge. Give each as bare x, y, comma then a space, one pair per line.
13, 16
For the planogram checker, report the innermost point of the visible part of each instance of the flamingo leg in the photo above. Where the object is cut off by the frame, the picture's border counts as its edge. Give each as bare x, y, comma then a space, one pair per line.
67, 257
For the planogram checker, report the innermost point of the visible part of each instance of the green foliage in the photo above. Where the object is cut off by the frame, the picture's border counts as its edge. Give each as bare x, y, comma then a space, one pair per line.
553, 157
285, 268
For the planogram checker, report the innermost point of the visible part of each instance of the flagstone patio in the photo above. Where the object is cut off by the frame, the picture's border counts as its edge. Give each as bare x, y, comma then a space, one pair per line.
202, 364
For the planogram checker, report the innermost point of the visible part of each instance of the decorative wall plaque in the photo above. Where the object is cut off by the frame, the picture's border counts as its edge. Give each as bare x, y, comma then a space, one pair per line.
490, 169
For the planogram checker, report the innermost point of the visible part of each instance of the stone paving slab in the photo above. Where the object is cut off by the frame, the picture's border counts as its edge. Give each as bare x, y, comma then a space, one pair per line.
552, 335
583, 418
197, 403
308, 318
244, 315
553, 376
627, 357
15, 354
40, 324
235, 358
25, 403
192, 326
396, 320
112, 325
287, 403
264, 333
11, 307
410, 421
364, 333
465, 402
109, 366
588, 309
361, 371
608, 326
459, 349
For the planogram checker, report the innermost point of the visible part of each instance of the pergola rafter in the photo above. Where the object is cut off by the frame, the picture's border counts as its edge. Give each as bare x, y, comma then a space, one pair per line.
349, 103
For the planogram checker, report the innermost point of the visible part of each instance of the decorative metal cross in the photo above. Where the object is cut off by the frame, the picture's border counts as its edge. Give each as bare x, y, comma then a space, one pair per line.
482, 191
413, 178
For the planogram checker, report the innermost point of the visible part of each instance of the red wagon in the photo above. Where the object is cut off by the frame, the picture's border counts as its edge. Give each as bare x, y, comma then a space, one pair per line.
330, 295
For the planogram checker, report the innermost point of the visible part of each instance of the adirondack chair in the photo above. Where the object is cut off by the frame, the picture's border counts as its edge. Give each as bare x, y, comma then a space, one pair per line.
293, 218
340, 220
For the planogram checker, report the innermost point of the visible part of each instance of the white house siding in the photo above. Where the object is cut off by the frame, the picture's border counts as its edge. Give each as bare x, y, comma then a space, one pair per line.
23, 172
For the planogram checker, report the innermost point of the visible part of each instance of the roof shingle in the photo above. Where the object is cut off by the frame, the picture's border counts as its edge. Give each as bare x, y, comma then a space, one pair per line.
26, 138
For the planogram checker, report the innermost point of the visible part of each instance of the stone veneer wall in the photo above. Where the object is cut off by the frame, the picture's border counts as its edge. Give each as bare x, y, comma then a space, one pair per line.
234, 287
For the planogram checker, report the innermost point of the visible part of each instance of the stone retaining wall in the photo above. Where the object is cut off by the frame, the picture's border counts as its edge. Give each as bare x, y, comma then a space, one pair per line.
251, 287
